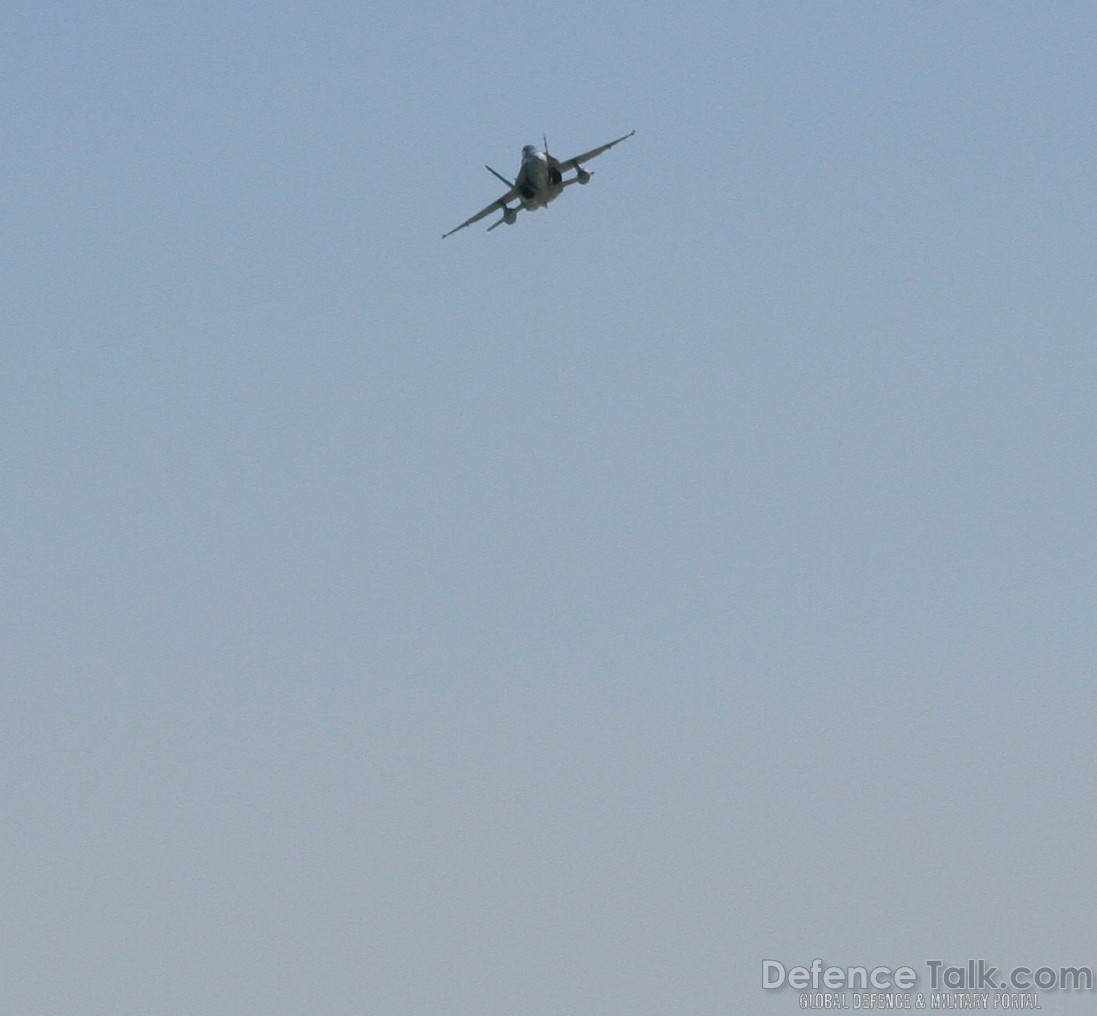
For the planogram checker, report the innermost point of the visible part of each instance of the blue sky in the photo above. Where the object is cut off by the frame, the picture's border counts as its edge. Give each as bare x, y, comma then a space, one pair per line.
697, 572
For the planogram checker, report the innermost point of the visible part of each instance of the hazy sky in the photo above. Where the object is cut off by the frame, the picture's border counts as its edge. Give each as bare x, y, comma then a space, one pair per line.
562, 620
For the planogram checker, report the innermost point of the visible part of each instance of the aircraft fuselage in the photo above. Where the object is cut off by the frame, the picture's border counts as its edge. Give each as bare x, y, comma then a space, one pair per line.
538, 182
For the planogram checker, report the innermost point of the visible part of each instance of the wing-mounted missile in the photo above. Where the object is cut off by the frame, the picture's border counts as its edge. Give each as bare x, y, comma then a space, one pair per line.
509, 215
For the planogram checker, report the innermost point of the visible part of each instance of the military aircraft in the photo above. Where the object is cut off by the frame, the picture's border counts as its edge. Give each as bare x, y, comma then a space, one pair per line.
539, 181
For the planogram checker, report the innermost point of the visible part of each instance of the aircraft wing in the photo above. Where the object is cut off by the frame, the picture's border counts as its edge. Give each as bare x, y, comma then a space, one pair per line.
495, 206
574, 163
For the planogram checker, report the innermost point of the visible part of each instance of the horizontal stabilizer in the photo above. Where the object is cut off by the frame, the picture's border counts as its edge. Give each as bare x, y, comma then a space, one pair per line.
510, 183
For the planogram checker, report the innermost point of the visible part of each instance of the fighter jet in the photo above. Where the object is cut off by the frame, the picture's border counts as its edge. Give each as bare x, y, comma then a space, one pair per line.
539, 181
